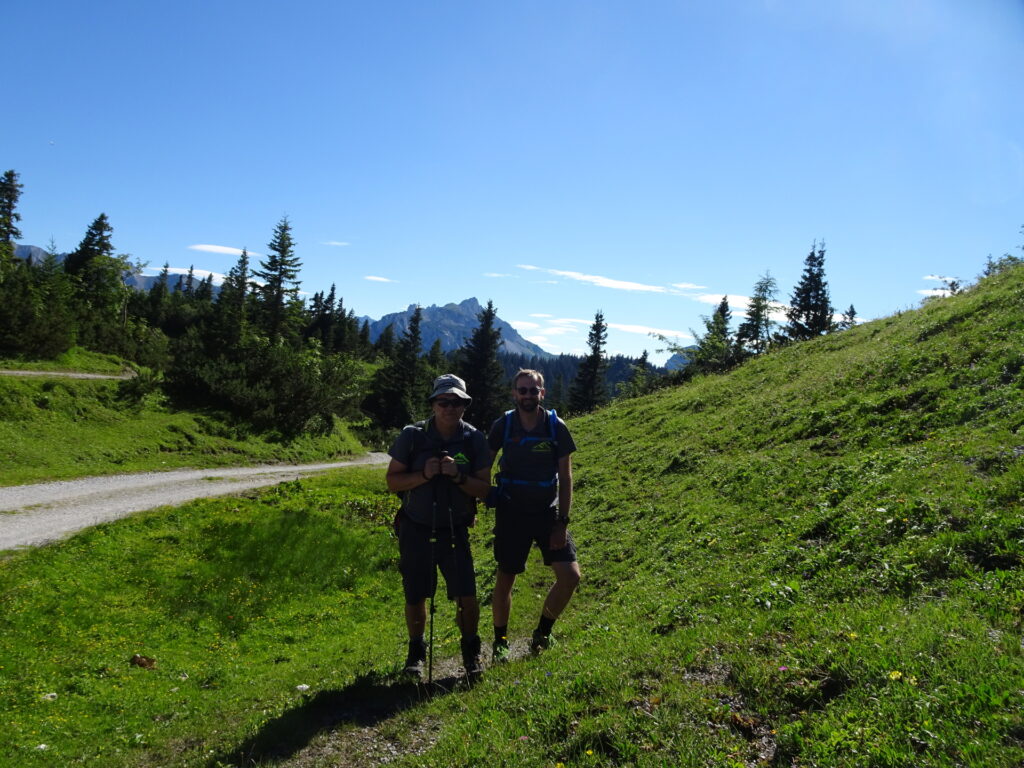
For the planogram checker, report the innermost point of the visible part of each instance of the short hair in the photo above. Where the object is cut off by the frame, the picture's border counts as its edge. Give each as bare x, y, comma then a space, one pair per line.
528, 372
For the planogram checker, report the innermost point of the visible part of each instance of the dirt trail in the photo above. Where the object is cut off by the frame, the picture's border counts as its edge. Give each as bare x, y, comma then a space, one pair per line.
44, 512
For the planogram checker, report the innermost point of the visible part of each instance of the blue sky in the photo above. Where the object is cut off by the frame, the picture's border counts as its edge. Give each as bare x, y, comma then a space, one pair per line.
641, 158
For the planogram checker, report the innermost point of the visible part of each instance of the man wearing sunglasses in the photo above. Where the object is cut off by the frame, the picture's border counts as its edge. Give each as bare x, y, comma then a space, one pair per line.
533, 501
439, 467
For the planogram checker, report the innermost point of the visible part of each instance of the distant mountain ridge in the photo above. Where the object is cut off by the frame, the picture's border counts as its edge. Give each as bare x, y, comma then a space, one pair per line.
453, 324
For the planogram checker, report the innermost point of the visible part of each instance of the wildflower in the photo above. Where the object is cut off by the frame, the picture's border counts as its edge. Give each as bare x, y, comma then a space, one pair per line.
783, 669
49, 697
524, 738
43, 746
895, 675
302, 687
912, 680
590, 751
853, 635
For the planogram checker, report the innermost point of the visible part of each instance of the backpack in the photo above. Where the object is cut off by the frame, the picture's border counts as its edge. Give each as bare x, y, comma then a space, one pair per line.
504, 480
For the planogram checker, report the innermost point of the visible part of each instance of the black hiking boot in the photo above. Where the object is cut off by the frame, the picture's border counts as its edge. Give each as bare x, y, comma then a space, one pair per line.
500, 652
471, 658
540, 642
416, 659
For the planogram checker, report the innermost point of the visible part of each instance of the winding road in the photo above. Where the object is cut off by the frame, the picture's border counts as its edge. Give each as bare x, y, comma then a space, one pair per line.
31, 515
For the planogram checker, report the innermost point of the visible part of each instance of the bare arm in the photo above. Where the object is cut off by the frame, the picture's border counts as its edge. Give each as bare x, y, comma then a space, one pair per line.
399, 478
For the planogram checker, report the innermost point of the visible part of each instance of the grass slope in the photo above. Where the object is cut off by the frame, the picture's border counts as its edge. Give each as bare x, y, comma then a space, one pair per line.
58, 428
814, 560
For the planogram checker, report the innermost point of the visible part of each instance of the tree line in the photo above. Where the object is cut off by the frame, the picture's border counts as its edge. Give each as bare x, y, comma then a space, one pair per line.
255, 349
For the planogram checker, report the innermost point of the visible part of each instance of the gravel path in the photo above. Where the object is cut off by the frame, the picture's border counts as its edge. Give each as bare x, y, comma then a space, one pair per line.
36, 514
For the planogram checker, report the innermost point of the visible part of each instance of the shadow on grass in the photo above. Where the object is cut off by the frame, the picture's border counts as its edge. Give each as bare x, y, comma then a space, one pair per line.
369, 700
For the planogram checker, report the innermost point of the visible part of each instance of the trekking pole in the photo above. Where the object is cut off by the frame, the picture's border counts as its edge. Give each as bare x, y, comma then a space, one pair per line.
433, 582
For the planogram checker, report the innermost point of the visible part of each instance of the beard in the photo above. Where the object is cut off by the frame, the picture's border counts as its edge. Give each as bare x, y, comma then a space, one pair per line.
529, 404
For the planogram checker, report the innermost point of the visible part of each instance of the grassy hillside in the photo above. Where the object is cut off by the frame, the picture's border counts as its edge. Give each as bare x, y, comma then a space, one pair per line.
57, 428
814, 560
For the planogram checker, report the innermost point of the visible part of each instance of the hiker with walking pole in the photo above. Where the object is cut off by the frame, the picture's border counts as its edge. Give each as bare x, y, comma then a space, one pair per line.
440, 466
533, 497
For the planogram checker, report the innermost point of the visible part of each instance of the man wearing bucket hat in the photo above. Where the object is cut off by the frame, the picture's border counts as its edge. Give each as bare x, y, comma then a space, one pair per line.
439, 466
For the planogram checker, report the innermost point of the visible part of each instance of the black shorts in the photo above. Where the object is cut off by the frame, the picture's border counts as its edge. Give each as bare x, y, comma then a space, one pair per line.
516, 532
419, 561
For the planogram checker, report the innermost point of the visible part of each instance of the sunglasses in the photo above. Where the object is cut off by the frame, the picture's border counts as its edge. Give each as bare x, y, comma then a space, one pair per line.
528, 390
450, 403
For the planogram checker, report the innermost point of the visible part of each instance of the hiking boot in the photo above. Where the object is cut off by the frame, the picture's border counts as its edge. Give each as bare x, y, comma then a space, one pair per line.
416, 658
540, 642
471, 657
500, 652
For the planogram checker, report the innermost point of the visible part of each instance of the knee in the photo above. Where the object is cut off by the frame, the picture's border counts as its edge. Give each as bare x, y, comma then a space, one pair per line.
570, 579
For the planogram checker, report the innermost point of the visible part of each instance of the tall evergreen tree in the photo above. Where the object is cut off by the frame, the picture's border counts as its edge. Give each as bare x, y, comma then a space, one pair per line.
231, 316
400, 387
100, 291
588, 390
755, 332
715, 348
483, 373
278, 291
810, 311
10, 193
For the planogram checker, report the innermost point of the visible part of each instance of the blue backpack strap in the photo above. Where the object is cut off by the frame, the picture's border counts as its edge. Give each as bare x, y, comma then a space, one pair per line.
508, 425
553, 426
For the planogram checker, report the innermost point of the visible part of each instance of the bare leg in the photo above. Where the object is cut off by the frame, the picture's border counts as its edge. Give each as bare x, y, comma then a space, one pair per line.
416, 618
501, 602
467, 615
567, 578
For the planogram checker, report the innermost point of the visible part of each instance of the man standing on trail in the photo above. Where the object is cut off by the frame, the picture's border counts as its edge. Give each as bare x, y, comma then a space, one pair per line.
534, 497
439, 466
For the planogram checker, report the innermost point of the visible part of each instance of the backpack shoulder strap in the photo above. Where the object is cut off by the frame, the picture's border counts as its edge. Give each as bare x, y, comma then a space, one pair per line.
508, 425
553, 425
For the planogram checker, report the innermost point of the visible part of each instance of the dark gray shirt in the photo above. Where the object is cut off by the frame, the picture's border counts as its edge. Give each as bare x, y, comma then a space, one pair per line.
414, 445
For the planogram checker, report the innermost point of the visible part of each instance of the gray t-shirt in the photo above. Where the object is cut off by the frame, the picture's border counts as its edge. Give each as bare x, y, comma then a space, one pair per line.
418, 442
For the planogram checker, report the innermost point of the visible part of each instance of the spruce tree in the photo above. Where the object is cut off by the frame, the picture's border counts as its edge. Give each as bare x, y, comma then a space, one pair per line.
810, 311
849, 319
715, 348
278, 291
10, 193
755, 332
482, 371
588, 390
100, 292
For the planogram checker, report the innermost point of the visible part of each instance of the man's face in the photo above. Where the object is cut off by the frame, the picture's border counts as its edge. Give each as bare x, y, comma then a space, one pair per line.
527, 393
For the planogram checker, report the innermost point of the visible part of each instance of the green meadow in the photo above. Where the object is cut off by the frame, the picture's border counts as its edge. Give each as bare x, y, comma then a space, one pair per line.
56, 428
813, 560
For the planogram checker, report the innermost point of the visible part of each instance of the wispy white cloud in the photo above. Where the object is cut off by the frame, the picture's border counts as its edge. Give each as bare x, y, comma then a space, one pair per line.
540, 314
938, 278
934, 292
220, 249
688, 286
375, 279
496, 274
337, 243
598, 280
524, 325
647, 331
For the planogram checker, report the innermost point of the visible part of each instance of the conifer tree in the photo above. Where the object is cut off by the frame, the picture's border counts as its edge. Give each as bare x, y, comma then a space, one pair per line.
278, 291
100, 292
848, 320
231, 320
755, 332
400, 387
482, 371
810, 311
10, 193
588, 390
715, 348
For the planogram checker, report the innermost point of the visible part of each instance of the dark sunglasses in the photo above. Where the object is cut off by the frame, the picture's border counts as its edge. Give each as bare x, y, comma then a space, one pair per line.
528, 390
450, 403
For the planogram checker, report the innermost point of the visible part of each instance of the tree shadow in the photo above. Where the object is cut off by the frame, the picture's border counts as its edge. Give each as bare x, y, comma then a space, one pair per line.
368, 700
